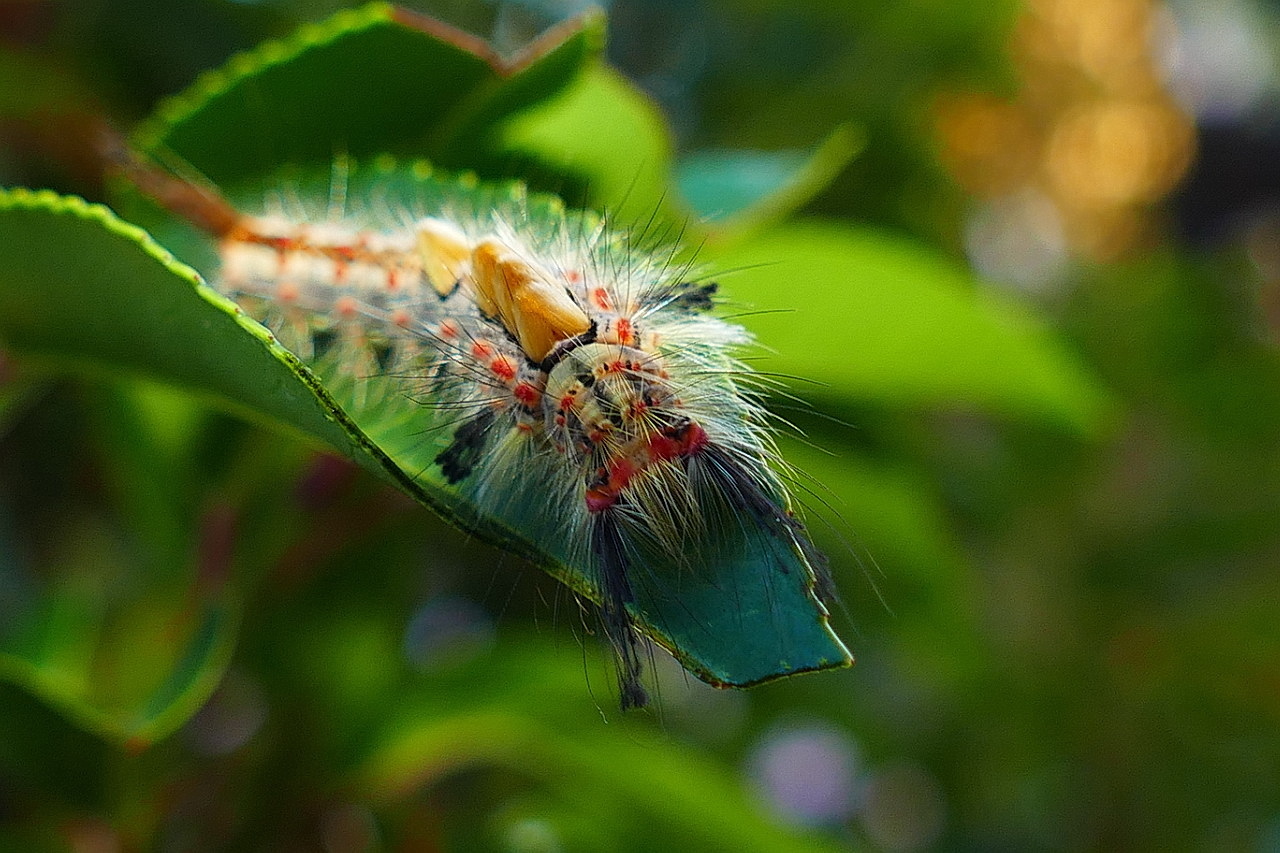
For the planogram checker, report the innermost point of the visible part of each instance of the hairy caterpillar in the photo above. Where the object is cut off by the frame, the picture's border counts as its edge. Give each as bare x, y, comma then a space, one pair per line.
564, 383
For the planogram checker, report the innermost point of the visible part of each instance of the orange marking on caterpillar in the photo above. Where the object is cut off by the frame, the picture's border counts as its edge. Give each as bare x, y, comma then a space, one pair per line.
600, 298
482, 349
445, 253
525, 299
346, 307
283, 245
287, 292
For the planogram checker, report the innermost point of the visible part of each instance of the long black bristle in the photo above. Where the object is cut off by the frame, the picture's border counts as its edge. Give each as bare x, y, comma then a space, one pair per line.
615, 593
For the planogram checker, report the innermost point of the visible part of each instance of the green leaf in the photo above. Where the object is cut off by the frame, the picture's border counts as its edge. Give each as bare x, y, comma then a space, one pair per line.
19, 388
875, 317
368, 81
111, 614
613, 138
609, 134
43, 751
651, 795
33, 87
87, 645
739, 623
899, 564
739, 191
80, 286
399, 83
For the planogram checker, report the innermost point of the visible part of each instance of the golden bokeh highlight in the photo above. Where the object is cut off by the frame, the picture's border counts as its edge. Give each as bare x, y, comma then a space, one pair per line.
1092, 128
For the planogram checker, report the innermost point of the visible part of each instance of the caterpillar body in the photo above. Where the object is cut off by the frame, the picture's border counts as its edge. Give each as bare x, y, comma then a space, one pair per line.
563, 382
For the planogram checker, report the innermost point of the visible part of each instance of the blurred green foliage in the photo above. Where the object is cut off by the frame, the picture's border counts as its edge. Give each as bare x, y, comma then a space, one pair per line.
1054, 526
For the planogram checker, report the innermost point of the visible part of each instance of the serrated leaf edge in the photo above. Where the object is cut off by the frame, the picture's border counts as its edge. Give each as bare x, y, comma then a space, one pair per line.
254, 61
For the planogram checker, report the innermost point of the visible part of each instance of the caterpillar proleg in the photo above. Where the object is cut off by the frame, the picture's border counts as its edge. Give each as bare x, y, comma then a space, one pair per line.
564, 390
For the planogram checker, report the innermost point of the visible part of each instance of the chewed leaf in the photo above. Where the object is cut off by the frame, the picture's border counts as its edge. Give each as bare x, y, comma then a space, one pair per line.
745, 614
699, 550
393, 81
737, 622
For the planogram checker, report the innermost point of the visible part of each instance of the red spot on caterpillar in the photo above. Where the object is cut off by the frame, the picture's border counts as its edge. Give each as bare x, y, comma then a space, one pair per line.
482, 349
401, 318
346, 307
393, 279
448, 330
287, 292
600, 298
612, 481
625, 332
526, 394
503, 368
